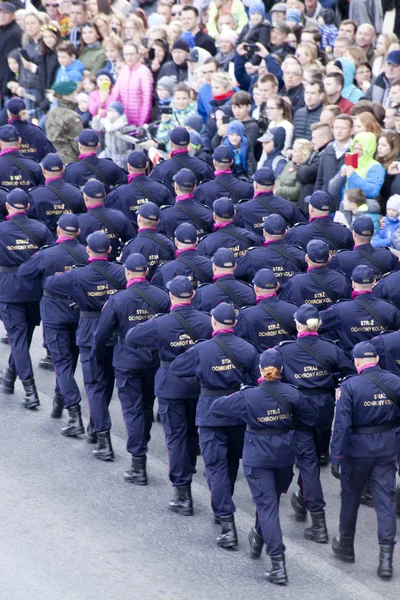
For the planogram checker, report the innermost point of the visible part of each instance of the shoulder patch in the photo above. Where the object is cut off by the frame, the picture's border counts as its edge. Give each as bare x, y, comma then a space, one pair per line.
299, 225
286, 342
165, 206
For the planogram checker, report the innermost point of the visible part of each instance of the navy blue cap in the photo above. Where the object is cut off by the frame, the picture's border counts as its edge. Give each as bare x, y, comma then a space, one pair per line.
224, 258
185, 179
264, 176
8, 133
18, 198
265, 279
94, 189
364, 226
8, 7
180, 136
393, 58
136, 263
52, 162
149, 211
186, 233
224, 313
69, 223
15, 105
137, 159
275, 225
364, 350
223, 154
89, 138
180, 287
318, 251
224, 208
305, 312
98, 242
320, 201
363, 274
271, 358
107, 73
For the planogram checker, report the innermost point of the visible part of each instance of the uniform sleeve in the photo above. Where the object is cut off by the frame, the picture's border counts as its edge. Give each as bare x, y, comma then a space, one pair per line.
254, 370
343, 421
345, 365
185, 364
33, 268
306, 411
143, 335
329, 321
75, 127
48, 238
61, 284
243, 270
126, 230
291, 236
241, 328
112, 200
158, 278
105, 329
231, 406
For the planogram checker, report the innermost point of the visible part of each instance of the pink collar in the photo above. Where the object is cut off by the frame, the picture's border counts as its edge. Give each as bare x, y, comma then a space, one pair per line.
267, 242
180, 151
81, 156
7, 150
319, 217
180, 304
135, 280
315, 267
355, 293
306, 334
184, 197
367, 366
95, 205
20, 212
223, 172
219, 275
259, 298
220, 225
134, 175
93, 258
147, 229
214, 333
359, 245
259, 193
190, 249
64, 238
52, 179
9, 121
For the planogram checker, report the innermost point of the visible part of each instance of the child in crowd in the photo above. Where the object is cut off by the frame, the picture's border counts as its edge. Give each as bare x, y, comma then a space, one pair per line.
14, 71
83, 110
389, 224
355, 204
100, 98
114, 122
241, 105
244, 164
326, 25
165, 91
70, 67
88, 83
112, 47
273, 142
182, 107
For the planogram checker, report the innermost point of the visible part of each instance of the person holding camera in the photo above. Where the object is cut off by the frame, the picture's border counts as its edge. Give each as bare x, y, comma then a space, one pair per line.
175, 115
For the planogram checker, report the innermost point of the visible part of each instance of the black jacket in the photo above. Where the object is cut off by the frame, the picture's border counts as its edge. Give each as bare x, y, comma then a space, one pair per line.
328, 167
170, 69
303, 119
307, 175
259, 33
46, 75
205, 41
295, 95
10, 38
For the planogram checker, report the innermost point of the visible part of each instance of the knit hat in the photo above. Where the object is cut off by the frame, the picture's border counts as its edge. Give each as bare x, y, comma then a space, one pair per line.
181, 44
194, 121
235, 127
107, 73
117, 106
257, 8
228, 35
195, 139
328, 16
394, 203
293, 14
166, 83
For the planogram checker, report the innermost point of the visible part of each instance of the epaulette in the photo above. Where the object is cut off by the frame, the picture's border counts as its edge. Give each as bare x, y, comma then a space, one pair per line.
203, 285
159, 315
79, 266
203, 237
389, 273
32, 189
247, 387
285, 342
31, 158
204, 180
165, 206
199, 342
342, 300
300, 224
343, 250
347, 377
45, 247
254, 248
334, 342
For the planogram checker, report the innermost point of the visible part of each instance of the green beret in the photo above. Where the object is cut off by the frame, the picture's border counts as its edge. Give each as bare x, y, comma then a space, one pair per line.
63, 88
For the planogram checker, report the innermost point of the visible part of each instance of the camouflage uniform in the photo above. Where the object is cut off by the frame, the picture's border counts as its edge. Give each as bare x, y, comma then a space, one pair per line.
63, 125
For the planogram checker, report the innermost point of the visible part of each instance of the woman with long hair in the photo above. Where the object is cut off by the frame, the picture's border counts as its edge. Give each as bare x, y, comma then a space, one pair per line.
381, 50
366, 122
92, 54
47, 65
279, 114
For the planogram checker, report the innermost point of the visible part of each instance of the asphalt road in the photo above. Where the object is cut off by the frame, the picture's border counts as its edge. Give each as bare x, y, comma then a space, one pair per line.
72, 529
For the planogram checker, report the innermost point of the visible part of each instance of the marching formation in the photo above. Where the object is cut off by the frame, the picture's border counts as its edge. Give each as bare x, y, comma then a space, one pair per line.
267, 335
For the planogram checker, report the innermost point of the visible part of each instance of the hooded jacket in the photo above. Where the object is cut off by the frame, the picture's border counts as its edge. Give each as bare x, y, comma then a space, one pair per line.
73, 71
350, 91
274, 160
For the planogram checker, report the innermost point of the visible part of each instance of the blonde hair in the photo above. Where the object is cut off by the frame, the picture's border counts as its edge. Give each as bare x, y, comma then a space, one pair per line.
139, 29
305, 147
389, 38
311, 325
309, 49
270, 373
113, 42
223, 79
355, 54
173, 35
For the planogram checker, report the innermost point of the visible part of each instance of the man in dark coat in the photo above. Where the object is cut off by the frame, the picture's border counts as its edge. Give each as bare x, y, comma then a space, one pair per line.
10, 37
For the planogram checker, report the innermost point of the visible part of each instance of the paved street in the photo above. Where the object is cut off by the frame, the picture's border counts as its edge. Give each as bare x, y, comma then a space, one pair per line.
72, 529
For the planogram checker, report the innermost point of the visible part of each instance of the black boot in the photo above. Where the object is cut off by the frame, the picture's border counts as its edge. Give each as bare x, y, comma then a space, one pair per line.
91, 435
228, 537
256, 543
58, 406
4, 339
182, 503
324, 460
385, 567
137, 473
366, 496
75, 424
278, 573
46, 363
398, 501
31, 398
299, 505
105, 450
318, 531
7, 381
343, 548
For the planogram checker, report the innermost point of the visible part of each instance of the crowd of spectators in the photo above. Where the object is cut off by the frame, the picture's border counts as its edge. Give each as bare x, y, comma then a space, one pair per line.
310, 88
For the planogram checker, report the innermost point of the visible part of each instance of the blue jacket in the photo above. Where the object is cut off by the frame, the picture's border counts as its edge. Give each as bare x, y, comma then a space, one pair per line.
203, 101
346, 260
226, 237
371, 185
209, 295
34, 143
269, 257
384, 236
79, 172
120, 229
157, 251
47, 206
387, 345
171, 269
73, 72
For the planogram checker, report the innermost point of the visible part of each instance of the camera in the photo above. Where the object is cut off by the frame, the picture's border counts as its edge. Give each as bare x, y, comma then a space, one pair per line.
251, 47
166, 110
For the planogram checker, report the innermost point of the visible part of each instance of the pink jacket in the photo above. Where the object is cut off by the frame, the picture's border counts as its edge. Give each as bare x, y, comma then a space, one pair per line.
94, 103
134, 88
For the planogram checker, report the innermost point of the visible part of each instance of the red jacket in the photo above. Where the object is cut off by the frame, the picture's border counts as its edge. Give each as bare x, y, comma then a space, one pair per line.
344, 105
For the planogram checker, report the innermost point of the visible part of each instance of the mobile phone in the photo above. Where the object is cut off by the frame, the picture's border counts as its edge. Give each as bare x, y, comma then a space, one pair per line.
225, 119
105, 86
145, 41
152, 54
166, 110
351, 159
251, 47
